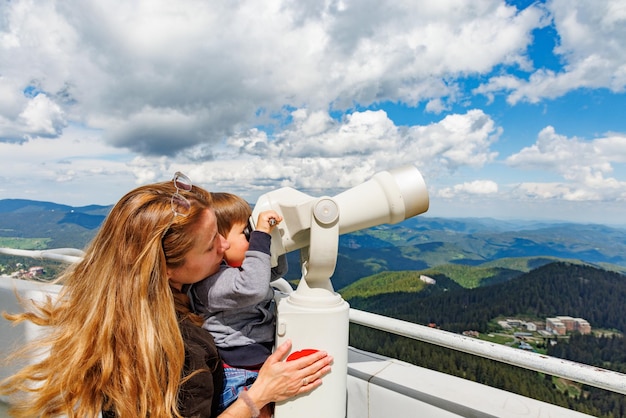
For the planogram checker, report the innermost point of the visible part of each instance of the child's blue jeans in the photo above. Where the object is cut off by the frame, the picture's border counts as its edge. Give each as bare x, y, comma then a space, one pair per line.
234, 381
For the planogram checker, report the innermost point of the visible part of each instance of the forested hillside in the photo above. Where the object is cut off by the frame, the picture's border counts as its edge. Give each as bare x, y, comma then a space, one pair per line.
555, 289
56, 225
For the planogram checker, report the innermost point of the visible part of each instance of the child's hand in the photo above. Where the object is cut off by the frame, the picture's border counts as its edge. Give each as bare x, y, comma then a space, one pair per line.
267, 221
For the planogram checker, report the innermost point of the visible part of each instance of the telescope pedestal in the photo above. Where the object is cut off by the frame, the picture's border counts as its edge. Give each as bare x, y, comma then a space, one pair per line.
317, 319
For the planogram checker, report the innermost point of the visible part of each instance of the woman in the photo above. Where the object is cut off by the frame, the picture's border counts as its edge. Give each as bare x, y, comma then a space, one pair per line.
123, 338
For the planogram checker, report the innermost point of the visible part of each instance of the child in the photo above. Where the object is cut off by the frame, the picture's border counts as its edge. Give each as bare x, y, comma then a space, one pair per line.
237, 301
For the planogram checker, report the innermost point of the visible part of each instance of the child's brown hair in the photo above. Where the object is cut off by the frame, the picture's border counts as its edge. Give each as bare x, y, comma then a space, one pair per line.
229, 210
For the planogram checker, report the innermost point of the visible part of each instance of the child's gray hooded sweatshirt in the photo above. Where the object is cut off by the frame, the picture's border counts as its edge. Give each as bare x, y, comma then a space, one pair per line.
237, 305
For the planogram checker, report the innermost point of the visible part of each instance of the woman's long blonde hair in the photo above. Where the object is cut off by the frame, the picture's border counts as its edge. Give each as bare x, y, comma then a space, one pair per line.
114, 341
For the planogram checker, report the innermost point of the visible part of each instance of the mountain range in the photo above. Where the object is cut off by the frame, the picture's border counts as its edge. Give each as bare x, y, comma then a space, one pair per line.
473, 251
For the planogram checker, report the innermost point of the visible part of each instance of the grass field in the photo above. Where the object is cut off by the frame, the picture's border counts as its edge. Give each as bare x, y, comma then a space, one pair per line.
24, 243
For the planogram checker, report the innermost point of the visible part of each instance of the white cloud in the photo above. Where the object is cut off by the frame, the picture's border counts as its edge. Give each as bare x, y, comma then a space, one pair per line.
317, 161
23, 117
73, 168
345, 153
585, 166
42, 117
326, 161
115, 65
476, 187
362, 133
158, 131
11, 98
458, 140
591, 49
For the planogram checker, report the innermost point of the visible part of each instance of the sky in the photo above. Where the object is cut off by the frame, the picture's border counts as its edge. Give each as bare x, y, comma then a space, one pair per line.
509, 109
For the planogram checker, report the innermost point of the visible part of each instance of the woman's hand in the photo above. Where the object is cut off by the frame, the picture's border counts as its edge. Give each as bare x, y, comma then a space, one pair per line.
280, 380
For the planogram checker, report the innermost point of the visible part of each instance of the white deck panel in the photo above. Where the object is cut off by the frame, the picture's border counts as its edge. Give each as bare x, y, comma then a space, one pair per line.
11, 336
380, 387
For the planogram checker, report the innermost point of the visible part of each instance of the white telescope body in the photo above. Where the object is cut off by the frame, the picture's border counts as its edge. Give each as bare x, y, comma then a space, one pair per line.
314, 315
388, 197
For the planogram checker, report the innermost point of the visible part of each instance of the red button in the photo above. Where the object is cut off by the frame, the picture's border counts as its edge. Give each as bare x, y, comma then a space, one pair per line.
302, 353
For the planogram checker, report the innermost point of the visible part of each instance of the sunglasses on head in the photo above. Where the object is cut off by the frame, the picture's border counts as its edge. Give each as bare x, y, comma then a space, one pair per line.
180, 205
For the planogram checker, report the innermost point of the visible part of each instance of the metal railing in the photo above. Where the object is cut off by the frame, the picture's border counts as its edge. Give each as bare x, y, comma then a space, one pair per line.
582, 373
68, 255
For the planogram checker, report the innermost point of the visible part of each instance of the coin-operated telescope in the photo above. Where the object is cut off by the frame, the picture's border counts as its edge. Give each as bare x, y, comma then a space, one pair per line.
314, 316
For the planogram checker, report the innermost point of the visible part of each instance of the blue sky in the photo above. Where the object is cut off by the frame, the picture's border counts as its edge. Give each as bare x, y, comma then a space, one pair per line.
511, 110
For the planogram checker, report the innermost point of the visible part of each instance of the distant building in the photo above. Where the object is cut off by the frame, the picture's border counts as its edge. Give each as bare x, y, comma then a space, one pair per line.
518, 323
560, 325
504, 324
525, 346
35, 271
515, 323
427, 280
555, 326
